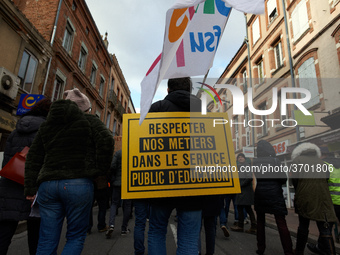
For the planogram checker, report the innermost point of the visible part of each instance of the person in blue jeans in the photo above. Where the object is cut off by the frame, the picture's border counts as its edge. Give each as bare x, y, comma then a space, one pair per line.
189, 209
142, 209
70, 149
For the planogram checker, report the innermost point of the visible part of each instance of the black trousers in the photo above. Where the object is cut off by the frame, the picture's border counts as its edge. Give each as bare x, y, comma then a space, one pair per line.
325, 240
7, 231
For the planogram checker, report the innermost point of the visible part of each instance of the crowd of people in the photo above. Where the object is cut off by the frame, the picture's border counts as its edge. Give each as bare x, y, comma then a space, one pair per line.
71, 164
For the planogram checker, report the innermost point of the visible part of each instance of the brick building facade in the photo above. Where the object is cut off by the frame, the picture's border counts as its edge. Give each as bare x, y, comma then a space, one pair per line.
305, 56
64, 50
25, 54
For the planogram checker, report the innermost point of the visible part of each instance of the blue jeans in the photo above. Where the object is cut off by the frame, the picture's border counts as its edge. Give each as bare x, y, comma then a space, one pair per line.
141, 214
225, 211
188, 230
71, 198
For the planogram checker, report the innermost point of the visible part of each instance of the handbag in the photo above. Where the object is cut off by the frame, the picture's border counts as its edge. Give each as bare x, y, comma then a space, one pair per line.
15, 168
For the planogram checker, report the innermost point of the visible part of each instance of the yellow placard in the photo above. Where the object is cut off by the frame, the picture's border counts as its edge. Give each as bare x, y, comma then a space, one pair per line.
176, 154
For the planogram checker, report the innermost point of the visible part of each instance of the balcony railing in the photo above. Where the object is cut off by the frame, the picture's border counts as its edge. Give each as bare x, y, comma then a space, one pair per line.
113, 97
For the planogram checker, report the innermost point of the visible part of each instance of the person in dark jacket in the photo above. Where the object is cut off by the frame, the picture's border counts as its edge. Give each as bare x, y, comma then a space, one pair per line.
13, 203
269, 197
189, 209
246, 199
116, 180
70, 149
312, 200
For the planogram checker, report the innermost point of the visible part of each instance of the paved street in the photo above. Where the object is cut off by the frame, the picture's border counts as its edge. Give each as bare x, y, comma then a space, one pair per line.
97, 244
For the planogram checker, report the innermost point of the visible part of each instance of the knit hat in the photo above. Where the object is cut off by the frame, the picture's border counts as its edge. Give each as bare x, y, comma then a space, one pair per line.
79, 98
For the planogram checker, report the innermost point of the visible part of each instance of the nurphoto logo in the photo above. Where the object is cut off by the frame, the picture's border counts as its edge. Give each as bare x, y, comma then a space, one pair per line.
238, 104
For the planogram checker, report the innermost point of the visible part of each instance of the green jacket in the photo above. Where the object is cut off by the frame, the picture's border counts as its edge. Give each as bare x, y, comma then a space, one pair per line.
312, 198
334, 179
69, 145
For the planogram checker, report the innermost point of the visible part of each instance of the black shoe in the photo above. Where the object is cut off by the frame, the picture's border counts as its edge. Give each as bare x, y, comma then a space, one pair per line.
315, 248
259, 252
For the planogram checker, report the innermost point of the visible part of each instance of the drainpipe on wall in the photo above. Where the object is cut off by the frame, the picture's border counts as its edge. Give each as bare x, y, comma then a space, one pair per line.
290, 64
52, 41
250, 80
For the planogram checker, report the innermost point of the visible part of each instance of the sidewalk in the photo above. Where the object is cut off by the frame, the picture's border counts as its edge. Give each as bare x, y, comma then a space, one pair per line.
293, 223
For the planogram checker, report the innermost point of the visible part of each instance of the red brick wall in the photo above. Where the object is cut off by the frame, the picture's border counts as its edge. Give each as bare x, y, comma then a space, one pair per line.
40, 13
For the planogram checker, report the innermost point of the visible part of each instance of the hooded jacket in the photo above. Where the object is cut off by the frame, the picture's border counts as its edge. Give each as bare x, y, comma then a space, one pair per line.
312, 198
268, 193
179, 101
13, 203
69, 145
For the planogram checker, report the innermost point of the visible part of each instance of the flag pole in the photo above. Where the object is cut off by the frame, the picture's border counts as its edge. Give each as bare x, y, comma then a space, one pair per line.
204, 79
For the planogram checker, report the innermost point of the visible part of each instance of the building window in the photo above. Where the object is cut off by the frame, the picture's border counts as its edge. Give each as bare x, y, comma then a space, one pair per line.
263, 118
260, 71
308, 80
93, 74
236, 133
245, 85
101, 86
246, 116
286, 116
27, 70
112, 83
118, 129
256, 30
108, 120
74, 6
300, 19
98, 113
271, 10
59, 85
82, 57
68, 36
114, 127
247, 136
334, 3
117, 92
278, 55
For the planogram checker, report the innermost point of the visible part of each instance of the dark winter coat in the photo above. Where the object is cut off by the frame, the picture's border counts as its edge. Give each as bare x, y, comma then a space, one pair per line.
116, 169
13, 203
69, 145
312, 197
246, 197
179, 101
268, 193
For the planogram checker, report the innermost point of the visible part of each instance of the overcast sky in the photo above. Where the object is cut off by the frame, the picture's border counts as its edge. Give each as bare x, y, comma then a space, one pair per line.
135, 33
